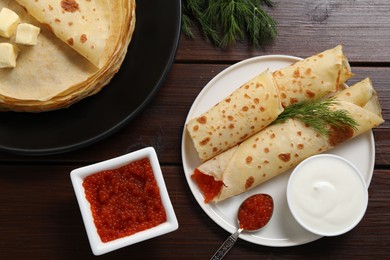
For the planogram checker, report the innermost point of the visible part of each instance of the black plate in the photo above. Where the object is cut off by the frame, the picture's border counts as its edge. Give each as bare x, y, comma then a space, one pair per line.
148, 61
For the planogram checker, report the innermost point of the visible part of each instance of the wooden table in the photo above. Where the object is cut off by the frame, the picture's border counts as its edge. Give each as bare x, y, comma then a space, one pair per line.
39, 215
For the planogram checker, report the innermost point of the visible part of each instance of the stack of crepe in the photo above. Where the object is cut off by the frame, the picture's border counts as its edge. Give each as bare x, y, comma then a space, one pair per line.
81, 46
275, 148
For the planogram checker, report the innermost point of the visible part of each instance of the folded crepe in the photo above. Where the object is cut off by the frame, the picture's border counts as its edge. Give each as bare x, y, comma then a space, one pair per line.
89, 27
258, 102
53, 74
281, 146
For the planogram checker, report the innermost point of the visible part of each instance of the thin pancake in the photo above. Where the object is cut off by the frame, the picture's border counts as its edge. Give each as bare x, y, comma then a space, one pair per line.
51, 75
86, 26
43, 70
243, 113
249, 109
282, 146
313, 77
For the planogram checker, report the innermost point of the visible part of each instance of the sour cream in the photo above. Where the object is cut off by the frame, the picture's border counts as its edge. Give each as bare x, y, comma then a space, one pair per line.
327, 195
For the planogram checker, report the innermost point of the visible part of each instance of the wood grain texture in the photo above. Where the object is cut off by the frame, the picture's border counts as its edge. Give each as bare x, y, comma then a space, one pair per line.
39, 215
306, 27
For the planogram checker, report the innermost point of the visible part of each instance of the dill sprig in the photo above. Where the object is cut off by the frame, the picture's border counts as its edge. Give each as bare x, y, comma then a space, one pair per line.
225, 22
318, 115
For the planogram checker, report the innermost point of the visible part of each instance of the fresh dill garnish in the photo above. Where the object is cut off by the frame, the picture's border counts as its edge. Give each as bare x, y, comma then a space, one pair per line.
318, 115
226, 21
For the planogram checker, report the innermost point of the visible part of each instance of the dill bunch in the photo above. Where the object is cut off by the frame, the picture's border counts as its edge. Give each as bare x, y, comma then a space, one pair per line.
318, 115
225, 22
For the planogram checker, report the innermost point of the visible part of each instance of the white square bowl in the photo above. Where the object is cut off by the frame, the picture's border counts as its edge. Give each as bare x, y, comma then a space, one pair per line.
77, 177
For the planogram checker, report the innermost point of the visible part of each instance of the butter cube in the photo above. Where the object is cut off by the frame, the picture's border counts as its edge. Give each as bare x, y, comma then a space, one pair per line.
27, 34
8, 22
8, 55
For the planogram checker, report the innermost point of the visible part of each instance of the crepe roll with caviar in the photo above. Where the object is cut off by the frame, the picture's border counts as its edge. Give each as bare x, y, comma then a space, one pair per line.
284, 144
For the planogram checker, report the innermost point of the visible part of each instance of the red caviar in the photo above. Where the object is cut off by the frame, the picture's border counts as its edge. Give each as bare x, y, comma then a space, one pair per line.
207, 184
125, 200
255, 212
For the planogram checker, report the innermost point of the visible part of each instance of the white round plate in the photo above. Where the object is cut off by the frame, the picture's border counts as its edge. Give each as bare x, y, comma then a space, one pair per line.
282, 230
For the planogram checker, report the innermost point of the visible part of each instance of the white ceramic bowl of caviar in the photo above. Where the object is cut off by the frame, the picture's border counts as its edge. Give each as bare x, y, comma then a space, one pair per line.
123, 200
327, 195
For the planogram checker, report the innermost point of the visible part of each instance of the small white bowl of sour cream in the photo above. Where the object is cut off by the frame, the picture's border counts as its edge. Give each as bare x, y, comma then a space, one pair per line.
327, 195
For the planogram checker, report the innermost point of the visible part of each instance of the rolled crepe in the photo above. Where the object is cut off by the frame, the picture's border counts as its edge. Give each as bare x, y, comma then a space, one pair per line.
362, 94
313, 77
243, 113
251, 108
278, 148
359, 94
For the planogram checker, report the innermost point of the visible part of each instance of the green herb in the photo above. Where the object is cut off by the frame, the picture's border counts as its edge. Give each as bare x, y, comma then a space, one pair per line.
226, 21
318, 115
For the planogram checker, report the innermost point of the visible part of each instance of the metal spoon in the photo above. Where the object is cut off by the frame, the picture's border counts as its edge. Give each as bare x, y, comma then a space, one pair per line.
257, 208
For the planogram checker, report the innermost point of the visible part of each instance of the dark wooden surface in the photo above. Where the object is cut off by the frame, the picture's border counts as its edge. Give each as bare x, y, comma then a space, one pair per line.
39, 215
